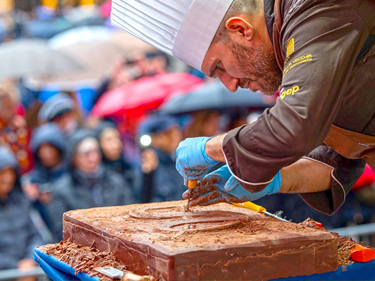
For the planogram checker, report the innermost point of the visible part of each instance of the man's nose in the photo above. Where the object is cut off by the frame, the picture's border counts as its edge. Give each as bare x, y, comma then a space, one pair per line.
230, 82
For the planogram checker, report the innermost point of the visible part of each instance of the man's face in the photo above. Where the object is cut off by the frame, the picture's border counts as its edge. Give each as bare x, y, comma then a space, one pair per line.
87, 157
67, 122
246, 67
7, 180
48, 155
6, 107
111, 144
167, 141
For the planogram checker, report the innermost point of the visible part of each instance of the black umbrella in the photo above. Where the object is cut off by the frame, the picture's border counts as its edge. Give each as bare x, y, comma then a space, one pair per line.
215, 96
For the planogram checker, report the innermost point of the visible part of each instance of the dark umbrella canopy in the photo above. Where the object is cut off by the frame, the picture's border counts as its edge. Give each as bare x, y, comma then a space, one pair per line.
27, 57
215, 96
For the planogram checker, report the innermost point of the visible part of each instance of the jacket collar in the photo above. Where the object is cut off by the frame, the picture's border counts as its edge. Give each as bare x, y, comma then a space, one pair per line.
269, 16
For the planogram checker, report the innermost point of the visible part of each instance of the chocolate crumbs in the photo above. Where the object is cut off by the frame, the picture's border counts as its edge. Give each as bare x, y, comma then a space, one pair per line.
83, 259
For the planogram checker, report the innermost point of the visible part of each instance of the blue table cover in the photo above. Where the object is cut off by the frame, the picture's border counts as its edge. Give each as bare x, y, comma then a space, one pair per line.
59, 271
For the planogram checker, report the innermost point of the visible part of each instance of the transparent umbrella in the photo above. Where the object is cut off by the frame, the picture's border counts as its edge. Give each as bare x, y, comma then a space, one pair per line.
98, 59
28, 57
80, 34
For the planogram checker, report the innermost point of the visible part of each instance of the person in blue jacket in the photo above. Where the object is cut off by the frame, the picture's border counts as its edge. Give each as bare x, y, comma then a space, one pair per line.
18, 235
88, 183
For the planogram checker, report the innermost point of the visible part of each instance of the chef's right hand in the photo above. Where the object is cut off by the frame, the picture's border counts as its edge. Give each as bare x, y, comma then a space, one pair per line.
192, 161
221, 186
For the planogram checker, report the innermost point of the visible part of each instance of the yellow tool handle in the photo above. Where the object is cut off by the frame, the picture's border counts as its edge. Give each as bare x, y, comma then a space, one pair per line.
251, 206
192, 184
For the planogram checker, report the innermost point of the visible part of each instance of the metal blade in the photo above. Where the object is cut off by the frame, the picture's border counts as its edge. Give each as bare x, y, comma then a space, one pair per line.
110, 272
274, 216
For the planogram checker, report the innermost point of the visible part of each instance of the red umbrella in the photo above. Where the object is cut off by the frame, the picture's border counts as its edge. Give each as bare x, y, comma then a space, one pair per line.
133, 100
366, 179
105, 9
144, 94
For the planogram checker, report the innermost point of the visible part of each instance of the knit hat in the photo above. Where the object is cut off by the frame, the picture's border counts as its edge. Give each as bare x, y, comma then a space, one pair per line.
55, 106
48, 133
7, 159
156, 124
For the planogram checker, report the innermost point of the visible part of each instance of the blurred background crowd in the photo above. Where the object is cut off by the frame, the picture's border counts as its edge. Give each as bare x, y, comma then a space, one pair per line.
91, 116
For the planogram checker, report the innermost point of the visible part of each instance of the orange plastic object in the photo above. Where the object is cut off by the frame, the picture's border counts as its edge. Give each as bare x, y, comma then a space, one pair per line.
362, 254
319, 224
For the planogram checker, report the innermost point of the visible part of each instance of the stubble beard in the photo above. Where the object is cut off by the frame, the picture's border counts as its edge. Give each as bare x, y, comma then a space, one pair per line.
261, 63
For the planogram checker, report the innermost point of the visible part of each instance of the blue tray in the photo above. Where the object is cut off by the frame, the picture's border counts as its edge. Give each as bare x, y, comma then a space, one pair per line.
59, 271
356, 271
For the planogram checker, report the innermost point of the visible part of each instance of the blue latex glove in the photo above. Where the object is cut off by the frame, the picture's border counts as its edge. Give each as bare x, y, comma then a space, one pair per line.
221, 186
192, 161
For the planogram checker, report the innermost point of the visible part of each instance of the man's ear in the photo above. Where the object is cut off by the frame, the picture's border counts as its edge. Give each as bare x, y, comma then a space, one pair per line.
239, 29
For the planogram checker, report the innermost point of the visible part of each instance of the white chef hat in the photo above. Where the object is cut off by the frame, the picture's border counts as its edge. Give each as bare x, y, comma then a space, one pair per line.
182, 28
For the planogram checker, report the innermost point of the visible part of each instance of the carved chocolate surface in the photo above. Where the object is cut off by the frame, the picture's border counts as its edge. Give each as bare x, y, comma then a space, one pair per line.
220, 242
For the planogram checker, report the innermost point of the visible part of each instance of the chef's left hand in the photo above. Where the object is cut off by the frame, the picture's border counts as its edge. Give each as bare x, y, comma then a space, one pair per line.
221, 186
192, 160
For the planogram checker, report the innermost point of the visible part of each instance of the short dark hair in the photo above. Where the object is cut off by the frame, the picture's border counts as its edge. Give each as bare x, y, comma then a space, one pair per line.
237, 8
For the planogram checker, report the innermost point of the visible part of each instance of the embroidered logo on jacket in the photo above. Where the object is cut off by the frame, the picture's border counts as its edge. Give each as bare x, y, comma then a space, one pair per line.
288, 92
289, 47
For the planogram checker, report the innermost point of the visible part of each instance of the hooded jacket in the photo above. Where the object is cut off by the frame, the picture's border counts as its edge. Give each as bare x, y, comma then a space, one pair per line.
18, 235
77, 190
48, 133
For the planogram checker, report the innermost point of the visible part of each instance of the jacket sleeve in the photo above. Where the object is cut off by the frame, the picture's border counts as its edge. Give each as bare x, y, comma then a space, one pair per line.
34, 240
344, 175
126, 192
55, 210
147, 186
321, 43
7, 261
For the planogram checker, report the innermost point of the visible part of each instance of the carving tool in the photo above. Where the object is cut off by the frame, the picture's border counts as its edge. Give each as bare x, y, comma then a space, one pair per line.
191, 185
259, 209
116, 274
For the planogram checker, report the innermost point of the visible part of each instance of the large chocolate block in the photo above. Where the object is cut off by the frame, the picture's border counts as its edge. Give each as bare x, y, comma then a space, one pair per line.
220, 242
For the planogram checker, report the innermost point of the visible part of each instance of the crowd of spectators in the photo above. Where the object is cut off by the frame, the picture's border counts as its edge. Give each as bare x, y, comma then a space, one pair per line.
73, 164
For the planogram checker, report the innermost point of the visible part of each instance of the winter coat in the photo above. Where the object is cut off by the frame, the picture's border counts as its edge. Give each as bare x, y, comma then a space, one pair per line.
49, 133
18, 235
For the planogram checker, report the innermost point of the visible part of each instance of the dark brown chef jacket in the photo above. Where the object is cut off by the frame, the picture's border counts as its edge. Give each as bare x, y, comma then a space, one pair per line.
326, 52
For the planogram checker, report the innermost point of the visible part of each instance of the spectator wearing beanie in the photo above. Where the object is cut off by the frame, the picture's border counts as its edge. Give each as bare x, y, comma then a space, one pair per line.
60, 110
48, 146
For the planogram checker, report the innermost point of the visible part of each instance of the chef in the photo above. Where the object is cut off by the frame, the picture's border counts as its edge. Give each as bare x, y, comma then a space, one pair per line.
320, 54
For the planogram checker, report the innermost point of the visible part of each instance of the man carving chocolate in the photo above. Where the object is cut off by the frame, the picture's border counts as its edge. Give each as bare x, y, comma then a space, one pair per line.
318, 137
